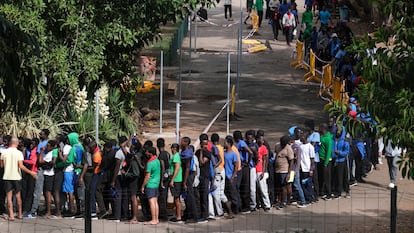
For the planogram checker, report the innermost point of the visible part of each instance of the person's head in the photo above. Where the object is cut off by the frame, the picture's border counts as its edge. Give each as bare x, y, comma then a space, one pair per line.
331, 122
92, 145
260, 132
297, 133
260, 139
185, 142
237, 136
215, 138
308, 8
228, 142
284, 141
35, 142
108, 146
203, 141
151, 151
304, 137
7, 140
323, 128
44, 134
249, 136
175, 148
160, 143
13, 142
51, 144
122, 140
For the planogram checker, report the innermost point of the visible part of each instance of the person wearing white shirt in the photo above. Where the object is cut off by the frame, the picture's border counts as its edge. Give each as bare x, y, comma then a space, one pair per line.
289, 23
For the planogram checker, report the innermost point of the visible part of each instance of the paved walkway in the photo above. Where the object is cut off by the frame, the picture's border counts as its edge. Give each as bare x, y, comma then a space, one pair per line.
272, 97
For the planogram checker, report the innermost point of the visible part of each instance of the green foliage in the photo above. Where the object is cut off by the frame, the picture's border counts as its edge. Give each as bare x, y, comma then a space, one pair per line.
388, 93
49, 49
29, 125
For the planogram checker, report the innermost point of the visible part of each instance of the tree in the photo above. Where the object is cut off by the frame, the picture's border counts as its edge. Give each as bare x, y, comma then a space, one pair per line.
388, 93
80, 43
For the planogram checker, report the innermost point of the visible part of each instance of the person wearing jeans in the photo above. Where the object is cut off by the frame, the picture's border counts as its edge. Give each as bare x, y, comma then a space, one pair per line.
262, 174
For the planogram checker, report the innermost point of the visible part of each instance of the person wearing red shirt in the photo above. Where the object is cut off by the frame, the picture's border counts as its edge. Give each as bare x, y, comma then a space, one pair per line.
261, 172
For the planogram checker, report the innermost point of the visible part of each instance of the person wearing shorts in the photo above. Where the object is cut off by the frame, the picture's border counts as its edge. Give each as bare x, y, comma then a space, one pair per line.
12, 161
151, 183
176, 181
47, 161
283, 166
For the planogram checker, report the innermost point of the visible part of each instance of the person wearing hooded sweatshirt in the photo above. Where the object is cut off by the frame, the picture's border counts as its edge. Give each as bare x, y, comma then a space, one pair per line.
325, 157
72, 173
341, 150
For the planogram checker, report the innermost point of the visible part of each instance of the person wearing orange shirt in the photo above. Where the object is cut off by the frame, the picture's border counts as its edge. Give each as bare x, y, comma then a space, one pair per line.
96, 166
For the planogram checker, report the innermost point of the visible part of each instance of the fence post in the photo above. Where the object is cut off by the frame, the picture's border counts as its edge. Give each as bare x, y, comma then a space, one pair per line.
393, 228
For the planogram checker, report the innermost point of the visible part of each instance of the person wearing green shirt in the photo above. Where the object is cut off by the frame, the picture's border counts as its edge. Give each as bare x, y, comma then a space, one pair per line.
176, 181
151, 183
307, 17
259, 8
325, 156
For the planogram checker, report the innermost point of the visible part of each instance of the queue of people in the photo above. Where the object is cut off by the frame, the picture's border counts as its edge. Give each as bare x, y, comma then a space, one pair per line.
238, 174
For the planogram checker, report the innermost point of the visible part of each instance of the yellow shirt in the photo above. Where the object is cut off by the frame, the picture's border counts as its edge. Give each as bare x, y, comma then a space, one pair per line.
11, 157
221, 156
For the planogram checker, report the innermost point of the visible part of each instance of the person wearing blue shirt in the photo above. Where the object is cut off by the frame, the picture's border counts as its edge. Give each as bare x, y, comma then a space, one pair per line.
245, 157
324, 17
186, 156
230, 167
341, 150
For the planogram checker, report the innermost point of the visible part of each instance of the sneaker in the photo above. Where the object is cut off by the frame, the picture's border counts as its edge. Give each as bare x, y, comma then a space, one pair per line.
29, 215
116, 220
175, 220
337, 197
352, 184
324, 196
391, 185
94, 216
202, 220
68, 216
103, 215
253, 210
281, 206
302, 205
294, 203
380, 160
245, 212
348, 195
79, 216
266, 209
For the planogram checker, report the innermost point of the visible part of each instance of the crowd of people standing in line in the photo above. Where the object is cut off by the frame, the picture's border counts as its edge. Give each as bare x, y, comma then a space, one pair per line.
221, 178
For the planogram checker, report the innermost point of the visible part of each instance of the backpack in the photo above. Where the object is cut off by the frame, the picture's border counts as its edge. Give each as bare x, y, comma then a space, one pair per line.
131, 168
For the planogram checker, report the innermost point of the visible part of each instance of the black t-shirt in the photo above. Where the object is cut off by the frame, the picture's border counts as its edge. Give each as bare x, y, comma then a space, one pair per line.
204, 168
165, 156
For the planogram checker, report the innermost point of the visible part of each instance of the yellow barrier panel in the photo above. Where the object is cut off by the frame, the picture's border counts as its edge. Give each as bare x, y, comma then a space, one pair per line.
311, 75
233, 101
250, 41
338, 90
298, 62
326, 85
257, 48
